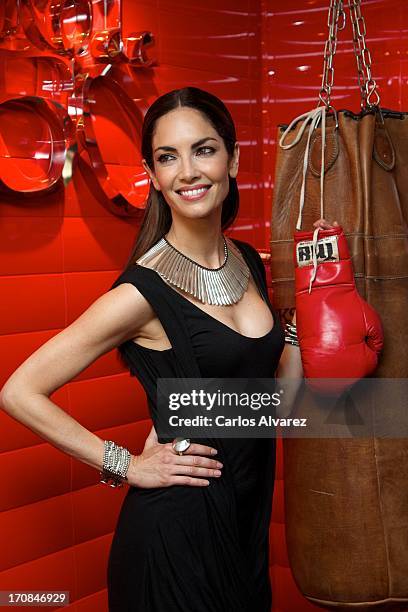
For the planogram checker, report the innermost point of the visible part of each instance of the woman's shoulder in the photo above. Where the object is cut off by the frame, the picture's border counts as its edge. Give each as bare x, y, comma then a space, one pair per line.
134, 274
131, 296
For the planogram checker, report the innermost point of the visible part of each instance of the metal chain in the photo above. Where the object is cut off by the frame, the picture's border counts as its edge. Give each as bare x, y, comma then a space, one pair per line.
368, 87
336, 21
336, 11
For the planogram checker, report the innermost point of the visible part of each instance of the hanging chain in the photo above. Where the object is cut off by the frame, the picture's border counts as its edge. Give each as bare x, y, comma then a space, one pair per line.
368, 86
336, 12
336, 21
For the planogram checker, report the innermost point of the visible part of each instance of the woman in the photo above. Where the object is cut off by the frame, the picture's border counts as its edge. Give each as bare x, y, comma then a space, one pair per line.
192, 533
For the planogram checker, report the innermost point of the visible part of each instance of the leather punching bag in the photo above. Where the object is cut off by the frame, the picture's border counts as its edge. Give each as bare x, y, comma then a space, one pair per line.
346, 500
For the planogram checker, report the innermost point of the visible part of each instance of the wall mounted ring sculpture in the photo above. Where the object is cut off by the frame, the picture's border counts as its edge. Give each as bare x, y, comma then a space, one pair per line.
112, 128
34, 135
61, 26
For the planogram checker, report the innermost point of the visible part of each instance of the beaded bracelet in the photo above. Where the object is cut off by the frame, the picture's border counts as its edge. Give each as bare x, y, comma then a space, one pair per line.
291, 334
116, 460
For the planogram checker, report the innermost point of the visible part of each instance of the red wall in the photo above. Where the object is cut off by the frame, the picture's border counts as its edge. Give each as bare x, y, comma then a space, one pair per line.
62, 248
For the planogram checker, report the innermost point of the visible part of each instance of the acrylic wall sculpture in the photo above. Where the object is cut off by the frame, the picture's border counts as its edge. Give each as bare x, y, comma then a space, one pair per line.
60, 96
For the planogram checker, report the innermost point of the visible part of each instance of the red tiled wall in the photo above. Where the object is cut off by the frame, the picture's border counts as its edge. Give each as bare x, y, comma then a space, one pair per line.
61, 250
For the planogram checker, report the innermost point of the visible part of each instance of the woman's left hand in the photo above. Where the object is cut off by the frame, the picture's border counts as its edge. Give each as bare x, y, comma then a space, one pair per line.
323, 224
152, 439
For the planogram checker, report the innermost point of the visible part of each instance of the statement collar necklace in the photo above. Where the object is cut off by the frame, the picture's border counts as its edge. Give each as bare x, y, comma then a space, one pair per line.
218, 286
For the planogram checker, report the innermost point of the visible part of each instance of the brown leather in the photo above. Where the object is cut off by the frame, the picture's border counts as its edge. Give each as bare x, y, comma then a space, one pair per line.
347, 500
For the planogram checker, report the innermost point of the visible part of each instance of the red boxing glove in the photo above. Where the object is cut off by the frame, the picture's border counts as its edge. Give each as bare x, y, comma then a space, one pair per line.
340, 335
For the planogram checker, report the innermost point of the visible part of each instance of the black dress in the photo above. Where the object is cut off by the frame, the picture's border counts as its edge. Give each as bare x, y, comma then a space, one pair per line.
198, 549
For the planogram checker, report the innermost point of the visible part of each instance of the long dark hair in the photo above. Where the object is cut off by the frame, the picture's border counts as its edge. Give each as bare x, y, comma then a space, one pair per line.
157, 216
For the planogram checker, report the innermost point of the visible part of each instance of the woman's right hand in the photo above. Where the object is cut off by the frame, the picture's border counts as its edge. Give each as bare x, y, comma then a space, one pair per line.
323, 224
160, 466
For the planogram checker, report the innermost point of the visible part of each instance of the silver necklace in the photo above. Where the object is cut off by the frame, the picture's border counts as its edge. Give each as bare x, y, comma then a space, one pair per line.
218, 286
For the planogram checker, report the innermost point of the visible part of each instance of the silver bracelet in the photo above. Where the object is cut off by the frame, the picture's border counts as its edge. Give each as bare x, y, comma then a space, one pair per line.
291, 334
116, 460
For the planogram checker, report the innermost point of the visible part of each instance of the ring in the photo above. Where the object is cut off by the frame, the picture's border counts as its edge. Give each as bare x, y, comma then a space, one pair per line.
180, 445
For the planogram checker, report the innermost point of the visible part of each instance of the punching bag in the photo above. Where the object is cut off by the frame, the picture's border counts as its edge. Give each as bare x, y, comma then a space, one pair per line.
346, 500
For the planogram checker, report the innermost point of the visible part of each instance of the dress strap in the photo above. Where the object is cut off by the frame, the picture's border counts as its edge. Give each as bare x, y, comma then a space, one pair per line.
156, 292
255, 264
